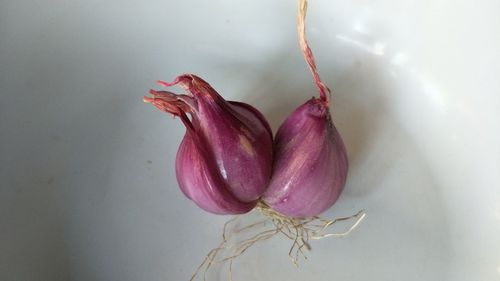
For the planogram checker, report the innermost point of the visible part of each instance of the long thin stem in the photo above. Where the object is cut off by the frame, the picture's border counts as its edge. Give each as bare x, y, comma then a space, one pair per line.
308, 55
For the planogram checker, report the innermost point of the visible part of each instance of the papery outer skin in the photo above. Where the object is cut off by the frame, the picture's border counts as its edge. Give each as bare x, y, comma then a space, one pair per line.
310, 163
224, 162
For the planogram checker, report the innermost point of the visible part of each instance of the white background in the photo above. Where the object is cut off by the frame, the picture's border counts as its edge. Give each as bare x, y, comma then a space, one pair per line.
87, 185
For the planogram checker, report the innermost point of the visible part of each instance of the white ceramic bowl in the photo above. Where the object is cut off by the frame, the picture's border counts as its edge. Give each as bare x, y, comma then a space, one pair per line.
88, 190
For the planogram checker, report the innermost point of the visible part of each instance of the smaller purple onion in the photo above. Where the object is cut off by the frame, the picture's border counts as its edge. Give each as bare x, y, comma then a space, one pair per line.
310, 163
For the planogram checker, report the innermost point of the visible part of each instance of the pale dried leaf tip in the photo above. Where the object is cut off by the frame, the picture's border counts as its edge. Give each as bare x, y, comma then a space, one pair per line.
306, 50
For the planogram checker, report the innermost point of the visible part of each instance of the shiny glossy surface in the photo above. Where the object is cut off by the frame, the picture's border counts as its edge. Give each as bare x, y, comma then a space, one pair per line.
87, 181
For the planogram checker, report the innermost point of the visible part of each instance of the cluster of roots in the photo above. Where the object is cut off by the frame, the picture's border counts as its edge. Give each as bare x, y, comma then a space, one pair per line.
298, 230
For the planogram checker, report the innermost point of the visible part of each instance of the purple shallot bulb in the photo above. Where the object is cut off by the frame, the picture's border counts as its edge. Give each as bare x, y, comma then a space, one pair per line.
224, 162
310, 163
